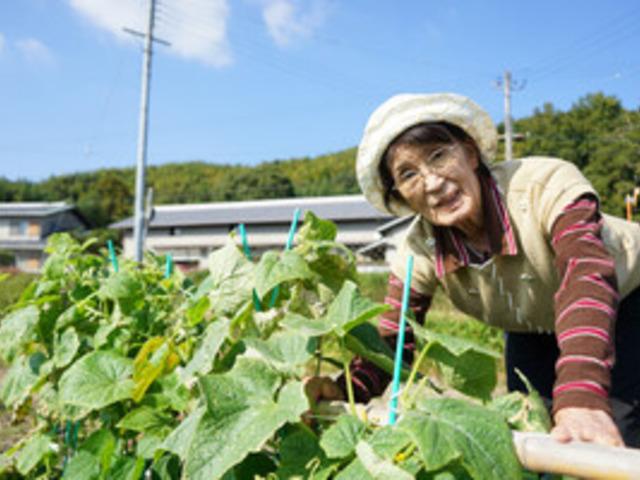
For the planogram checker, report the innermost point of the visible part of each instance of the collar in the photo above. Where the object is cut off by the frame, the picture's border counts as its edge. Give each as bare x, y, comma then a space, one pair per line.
451, 251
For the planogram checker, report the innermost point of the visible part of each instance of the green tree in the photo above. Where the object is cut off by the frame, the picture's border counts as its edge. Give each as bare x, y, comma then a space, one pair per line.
256, 184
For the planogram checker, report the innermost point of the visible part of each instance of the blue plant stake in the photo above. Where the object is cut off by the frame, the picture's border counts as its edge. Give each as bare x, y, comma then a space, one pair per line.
168, 266
247, 253
288, 245
395, 392
112, 255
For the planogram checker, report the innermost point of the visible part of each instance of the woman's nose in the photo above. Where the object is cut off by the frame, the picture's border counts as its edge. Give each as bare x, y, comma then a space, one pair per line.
432, 181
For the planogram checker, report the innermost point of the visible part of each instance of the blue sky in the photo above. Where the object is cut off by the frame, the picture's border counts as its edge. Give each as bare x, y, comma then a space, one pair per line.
247, 81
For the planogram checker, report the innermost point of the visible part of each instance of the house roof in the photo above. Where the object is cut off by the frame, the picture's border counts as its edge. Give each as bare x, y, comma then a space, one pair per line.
13, 245
336, 208
39, 210
32, 209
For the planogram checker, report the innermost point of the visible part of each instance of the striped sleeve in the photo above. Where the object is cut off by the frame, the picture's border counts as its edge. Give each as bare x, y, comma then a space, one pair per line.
585, 308
368, 379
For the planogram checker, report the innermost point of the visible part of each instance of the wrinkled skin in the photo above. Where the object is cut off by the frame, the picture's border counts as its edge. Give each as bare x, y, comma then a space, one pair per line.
450, 198
587, 425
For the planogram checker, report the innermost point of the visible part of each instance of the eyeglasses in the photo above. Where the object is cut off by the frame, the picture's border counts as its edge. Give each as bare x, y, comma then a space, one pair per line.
410, 176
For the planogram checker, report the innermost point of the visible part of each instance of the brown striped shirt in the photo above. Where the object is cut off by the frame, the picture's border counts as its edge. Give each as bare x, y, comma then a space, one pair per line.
585, 303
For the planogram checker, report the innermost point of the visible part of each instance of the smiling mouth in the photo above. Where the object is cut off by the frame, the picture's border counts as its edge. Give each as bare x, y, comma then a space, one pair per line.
449, 201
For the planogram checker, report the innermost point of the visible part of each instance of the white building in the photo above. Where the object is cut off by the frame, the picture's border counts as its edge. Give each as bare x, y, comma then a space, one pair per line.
24, 228
190, 232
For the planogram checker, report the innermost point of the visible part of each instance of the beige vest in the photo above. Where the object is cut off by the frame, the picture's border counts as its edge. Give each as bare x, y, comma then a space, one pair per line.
516, 293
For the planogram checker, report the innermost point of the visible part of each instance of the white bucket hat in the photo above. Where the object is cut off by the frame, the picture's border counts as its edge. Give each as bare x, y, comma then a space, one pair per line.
401, 112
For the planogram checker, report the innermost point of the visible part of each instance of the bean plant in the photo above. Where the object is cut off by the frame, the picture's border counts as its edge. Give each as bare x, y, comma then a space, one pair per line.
132, 375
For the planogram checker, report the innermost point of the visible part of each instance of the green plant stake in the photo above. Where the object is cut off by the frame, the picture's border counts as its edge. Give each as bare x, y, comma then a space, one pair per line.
168, 267
395, 392
288, 245
247, 253
112, 255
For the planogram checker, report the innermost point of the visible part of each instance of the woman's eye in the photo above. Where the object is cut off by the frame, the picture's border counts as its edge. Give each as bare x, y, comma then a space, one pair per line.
406, 175
436, 156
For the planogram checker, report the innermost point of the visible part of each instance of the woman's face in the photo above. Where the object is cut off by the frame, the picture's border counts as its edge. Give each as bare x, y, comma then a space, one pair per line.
439, 181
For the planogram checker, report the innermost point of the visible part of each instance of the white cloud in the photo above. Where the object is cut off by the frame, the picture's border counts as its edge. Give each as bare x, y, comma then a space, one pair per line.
1, 42
34, 51
287, 20
196, 30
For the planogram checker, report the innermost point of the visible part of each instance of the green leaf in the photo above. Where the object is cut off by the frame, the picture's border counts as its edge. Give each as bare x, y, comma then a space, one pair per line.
173, 392
305, 325
32, 453
332, 262
302, 457
167, 468
276, 268
347, 311
145, 419
354, 471
242, 414
16, 330
97, 380
230, 280
365, 341
466, 366
446, 430
196, 311
255, 465
341, 438
202, 361
379, 468
284, 350
82, 466
126, 468
314, 229
149, 444
350, 309
18, 382
65, 347
102, 445
121, 286
150, 362
526, 413
388, 441
182, 437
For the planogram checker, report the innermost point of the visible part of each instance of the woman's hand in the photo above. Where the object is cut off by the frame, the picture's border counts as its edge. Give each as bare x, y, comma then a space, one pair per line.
587, 425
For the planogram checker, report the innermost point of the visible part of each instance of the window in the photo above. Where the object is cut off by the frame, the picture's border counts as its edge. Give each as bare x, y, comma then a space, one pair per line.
17, 228
34, 230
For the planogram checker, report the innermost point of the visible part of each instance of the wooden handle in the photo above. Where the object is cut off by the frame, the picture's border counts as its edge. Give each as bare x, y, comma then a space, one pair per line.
539, 452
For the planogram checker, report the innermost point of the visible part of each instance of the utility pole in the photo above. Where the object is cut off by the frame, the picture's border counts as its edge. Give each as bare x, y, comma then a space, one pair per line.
138, 222
141, 160
508, 131
508, 87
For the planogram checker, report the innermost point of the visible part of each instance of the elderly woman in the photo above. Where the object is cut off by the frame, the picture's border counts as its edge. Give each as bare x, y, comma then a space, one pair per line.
520, 245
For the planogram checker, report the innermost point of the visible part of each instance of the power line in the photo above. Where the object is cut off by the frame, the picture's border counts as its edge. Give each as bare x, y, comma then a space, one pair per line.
614, 30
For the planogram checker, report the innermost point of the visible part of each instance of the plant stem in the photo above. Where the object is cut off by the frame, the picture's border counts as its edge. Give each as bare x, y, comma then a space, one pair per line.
347, 374
319, 357
414, 371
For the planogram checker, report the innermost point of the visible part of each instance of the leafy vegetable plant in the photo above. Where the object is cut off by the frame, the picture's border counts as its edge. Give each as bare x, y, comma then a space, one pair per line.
132, 375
